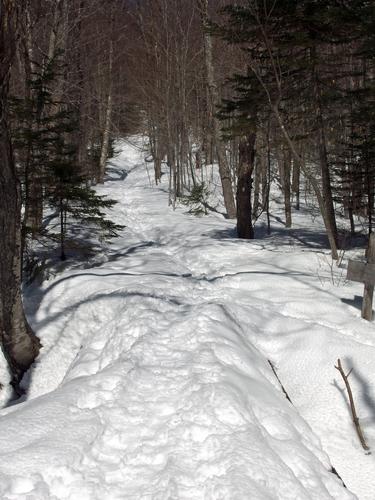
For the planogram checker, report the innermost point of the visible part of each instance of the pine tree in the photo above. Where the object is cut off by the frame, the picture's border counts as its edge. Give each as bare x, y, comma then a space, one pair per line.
46, 144
294, 50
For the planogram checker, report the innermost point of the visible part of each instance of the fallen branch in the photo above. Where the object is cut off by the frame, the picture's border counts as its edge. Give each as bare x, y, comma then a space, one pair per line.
332, 469
278, 379
352, 406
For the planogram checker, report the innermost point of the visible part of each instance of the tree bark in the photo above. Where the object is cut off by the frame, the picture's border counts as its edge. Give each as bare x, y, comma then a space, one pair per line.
311, 179
368, 293
287, 191
107, 123
224, 170
33, 215
244, 184
296, 184
19, 345
257, 187
323, 155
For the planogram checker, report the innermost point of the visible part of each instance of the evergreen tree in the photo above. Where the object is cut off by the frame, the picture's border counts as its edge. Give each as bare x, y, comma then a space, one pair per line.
46, 146
297, 51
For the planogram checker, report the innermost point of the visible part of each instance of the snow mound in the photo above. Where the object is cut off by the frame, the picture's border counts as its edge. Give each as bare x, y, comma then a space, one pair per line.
148, 386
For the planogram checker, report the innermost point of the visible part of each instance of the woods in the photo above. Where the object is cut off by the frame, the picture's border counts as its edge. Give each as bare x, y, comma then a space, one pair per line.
278, 94
187, 193
292, 71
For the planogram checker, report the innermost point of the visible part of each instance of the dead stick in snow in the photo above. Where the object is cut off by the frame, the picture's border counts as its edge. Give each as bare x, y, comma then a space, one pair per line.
332, 470
352, 406
278, 379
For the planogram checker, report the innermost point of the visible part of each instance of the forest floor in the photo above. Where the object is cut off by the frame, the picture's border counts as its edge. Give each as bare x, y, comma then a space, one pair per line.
154, 383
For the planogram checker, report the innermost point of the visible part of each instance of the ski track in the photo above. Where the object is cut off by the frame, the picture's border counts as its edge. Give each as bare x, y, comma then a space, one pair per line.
153, 382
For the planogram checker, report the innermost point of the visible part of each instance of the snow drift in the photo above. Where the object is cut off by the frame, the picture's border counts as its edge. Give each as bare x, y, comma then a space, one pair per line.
149, 385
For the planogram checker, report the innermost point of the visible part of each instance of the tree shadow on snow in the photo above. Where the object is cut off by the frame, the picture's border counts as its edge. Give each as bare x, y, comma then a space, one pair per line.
115, 174
356, 302
310, 238
367, 391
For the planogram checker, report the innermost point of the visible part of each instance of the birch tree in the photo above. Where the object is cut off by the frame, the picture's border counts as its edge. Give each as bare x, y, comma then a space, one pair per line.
224, 170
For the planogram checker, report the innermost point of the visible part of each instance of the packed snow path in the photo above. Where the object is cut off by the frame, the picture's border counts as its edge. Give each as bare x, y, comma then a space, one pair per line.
153, 383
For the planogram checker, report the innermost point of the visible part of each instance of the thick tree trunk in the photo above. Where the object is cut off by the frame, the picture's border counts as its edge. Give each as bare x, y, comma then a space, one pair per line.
19, 345
33, 196
323, 155
244, 184
224, 169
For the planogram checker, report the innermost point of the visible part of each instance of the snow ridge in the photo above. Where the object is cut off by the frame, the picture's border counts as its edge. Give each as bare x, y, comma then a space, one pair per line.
149, 385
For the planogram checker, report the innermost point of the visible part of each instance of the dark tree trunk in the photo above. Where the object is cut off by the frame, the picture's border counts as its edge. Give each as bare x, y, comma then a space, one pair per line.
257, 182
19, 345
62, 231
286, 184
351, 220
296, 184
370, 197
33, 194
33, 215
224, 170
323, 154
244, 184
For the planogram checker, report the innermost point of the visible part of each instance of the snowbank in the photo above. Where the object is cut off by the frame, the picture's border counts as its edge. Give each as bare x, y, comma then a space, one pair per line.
150, 384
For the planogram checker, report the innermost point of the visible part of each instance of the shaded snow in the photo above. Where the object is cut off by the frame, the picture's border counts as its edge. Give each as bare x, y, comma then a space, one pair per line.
154, 384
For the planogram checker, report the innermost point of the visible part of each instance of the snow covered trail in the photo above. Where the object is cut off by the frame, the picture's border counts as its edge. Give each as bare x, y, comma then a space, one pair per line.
153, 382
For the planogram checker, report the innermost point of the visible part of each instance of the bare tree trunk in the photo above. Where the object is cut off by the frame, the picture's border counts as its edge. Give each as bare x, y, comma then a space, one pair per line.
323, 156
19, 345
108, 117
82, 136
224, 170
286, 184
313, 182
296, 184
370, 184
268, 191
33, 197
244, 184
257, 186
368, 293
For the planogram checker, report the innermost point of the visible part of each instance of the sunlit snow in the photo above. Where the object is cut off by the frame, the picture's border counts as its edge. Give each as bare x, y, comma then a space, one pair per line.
154, 381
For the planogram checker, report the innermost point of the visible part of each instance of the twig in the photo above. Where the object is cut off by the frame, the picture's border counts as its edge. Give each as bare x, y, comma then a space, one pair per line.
332, 469
281, 385
352, 406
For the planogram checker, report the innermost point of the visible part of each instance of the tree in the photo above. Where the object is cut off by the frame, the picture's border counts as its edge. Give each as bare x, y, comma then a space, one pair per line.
75, 201
224, 169
275, 38
19, 345
47, 142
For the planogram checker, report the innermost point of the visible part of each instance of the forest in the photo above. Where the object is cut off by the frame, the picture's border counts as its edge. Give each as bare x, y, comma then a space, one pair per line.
188, 146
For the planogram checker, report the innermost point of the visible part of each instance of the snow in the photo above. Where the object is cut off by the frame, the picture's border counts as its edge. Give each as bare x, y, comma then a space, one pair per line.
154, 383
